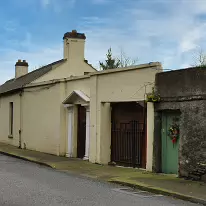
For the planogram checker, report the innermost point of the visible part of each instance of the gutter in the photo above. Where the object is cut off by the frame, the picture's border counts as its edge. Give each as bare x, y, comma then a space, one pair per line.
43, 83
10, 92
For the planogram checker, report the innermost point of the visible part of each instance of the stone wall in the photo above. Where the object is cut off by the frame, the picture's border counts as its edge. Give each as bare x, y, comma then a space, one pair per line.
184, 90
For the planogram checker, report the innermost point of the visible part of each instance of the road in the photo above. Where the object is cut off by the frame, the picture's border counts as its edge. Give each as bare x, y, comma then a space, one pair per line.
23, 183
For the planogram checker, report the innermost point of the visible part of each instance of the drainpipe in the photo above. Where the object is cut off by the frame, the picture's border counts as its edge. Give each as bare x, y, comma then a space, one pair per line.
20, 127
145, 126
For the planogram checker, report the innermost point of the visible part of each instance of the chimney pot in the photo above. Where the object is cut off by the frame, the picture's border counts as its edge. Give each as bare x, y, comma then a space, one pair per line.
21, 68
75, 35
74, 50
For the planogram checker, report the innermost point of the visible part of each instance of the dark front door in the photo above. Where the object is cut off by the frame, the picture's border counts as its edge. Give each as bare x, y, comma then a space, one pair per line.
81, 132
128, 134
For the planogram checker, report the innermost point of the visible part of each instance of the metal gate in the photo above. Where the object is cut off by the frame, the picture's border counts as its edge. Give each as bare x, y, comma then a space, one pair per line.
126, 145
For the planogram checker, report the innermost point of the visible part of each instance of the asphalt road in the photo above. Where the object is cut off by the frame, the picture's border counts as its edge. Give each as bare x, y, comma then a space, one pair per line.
26, 184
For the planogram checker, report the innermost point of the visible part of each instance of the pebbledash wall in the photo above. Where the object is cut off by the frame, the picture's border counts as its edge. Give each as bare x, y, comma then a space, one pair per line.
184, 90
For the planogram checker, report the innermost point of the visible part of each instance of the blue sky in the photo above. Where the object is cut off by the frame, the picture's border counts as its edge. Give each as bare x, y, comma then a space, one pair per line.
168, 31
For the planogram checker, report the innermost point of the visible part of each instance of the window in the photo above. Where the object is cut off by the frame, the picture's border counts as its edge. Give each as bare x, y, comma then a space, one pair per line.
11, 118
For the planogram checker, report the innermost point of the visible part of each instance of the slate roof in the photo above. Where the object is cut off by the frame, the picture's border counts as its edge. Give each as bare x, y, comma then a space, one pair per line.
16, 84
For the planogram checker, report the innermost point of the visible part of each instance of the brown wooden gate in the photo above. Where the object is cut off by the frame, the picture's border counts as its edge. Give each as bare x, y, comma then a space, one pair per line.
128, 138
81, 132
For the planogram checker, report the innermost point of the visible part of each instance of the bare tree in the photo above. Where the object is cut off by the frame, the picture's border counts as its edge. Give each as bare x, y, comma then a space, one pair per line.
200, 58
125, 61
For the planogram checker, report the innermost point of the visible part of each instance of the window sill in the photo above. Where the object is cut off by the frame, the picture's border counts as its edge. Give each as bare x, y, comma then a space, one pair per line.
10, 136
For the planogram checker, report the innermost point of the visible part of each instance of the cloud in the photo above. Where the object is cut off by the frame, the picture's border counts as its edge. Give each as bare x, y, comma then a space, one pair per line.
193, 37
165, 31
94, 20
57, 5
45, 3
10, 26
36, 56
169, 33
101, 1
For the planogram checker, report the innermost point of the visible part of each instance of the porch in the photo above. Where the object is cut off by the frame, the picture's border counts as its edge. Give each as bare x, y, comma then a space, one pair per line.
78, 125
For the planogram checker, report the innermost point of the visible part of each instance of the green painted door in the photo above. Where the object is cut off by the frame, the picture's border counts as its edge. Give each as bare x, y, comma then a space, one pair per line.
169, 148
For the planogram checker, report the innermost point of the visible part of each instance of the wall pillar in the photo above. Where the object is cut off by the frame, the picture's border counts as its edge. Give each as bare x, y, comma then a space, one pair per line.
87, 143
105, 134
69, 152
150, 135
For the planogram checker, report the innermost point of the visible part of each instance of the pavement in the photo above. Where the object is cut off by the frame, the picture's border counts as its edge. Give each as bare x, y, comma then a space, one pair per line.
25, 183
168, 185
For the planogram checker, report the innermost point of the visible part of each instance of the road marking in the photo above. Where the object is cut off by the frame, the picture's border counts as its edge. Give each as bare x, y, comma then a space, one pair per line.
139, 193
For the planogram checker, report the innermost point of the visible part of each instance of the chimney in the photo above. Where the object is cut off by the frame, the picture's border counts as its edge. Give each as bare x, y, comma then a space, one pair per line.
74, 45
21, 68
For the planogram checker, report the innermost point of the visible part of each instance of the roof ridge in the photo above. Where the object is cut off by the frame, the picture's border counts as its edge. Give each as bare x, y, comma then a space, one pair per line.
18, 83
47, 65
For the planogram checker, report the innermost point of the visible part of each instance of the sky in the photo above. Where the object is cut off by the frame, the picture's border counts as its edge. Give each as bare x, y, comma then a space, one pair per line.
168, 31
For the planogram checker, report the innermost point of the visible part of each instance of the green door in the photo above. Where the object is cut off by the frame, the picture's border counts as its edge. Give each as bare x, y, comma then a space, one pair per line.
170, 145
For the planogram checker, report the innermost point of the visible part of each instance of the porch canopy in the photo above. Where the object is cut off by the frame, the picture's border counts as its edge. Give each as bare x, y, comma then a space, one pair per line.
77, 97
